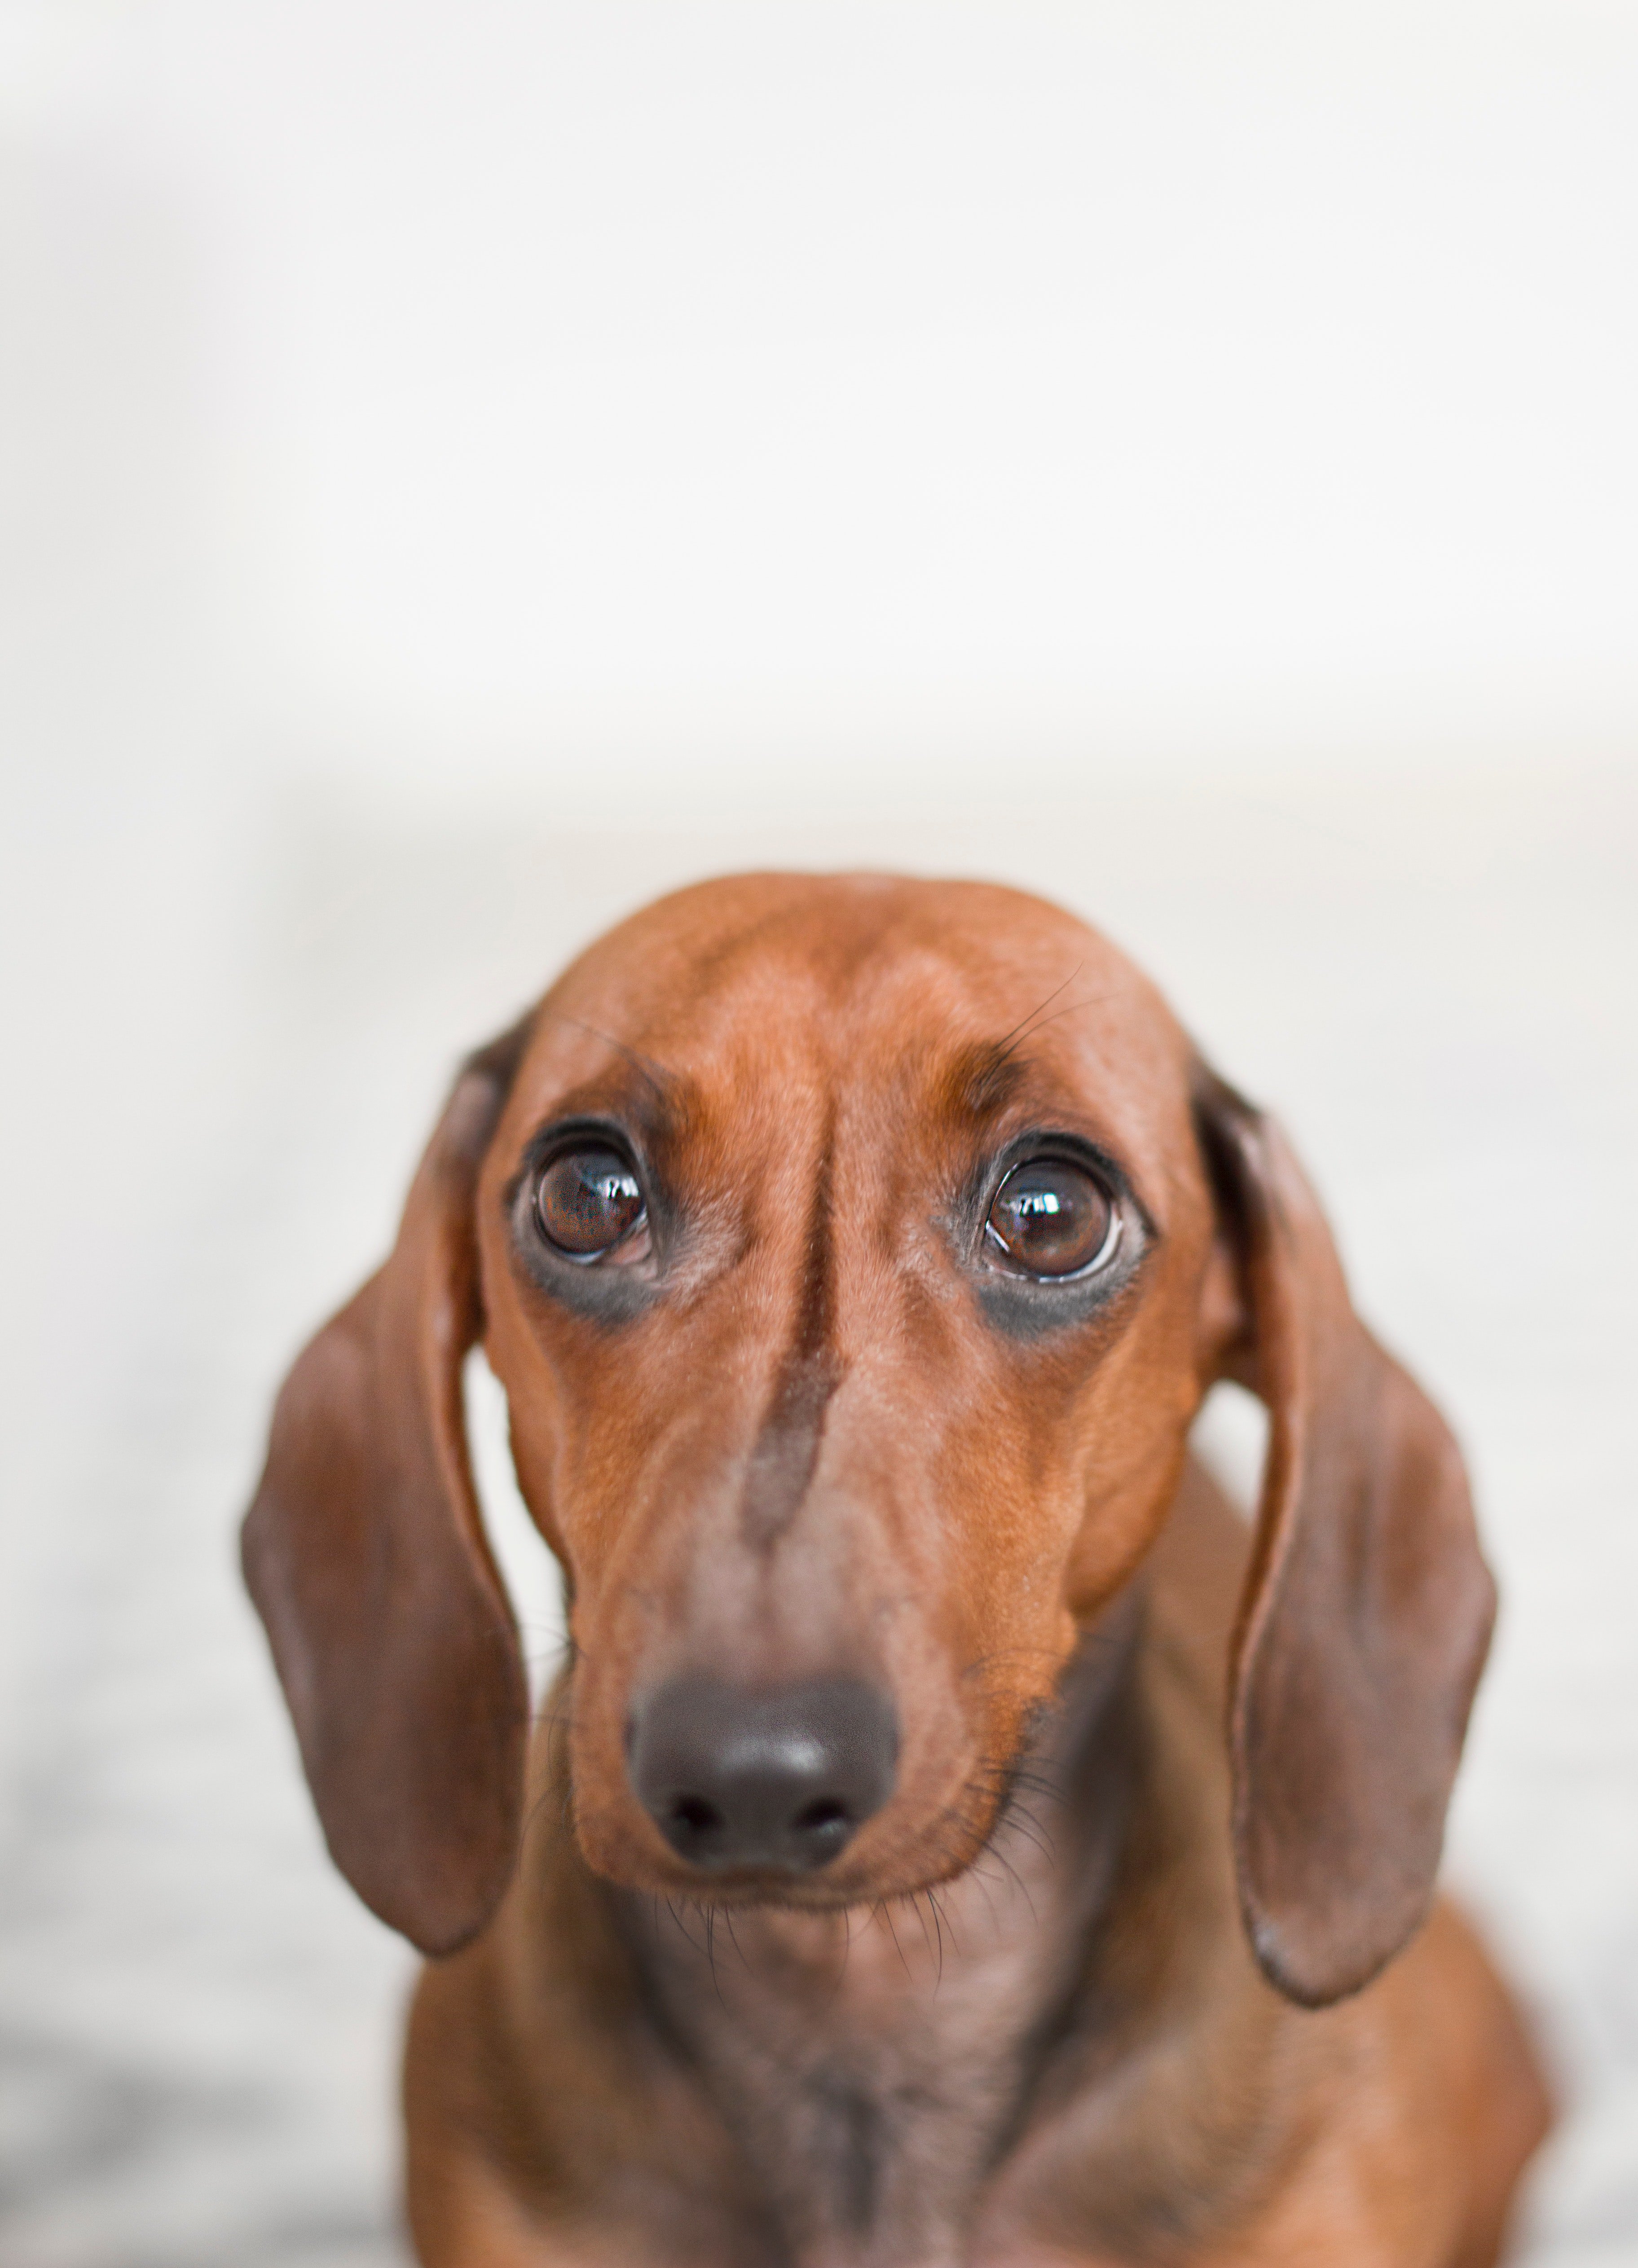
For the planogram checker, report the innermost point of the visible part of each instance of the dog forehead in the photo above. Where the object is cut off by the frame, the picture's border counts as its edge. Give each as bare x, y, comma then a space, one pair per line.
750, 955
761, 990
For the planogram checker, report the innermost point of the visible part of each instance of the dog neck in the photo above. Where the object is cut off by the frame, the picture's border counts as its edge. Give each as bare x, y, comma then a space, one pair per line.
875, 2064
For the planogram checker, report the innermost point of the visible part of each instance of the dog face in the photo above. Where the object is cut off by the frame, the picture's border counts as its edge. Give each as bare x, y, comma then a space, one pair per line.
854, 1255
872, 1371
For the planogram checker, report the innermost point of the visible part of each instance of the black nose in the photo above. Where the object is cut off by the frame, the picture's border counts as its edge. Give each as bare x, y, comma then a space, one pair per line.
776, 1777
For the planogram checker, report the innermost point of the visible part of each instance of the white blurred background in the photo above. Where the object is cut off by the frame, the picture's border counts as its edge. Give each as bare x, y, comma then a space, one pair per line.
465, 468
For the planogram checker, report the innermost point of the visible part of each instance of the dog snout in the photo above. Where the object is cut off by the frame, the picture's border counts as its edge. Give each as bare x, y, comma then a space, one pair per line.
778, 1777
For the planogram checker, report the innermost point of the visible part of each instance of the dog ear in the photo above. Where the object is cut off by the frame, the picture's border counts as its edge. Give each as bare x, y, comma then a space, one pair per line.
365, 1556
1366, 1610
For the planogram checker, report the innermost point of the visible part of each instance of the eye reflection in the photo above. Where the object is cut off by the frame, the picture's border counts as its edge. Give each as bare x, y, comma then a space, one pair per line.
1051, 1218
588, 1201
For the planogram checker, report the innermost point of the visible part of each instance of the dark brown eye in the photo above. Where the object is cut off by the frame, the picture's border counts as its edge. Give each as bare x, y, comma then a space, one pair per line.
1052, 1219
587, 1201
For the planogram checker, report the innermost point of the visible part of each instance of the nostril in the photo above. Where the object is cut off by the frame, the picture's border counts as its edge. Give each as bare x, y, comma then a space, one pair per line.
827, 1812
693, 1812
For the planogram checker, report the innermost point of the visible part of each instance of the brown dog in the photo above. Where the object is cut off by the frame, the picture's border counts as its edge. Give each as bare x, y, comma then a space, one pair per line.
955, 1837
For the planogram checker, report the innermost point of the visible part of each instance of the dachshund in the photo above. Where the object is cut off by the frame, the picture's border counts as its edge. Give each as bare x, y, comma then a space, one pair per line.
956, 1838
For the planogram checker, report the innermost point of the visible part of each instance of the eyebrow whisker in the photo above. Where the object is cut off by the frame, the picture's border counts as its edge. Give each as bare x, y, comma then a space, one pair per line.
1010, 1040
663, 1082
1087, 1000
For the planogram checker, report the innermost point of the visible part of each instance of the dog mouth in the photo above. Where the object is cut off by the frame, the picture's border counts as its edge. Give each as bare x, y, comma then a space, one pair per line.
833, 1866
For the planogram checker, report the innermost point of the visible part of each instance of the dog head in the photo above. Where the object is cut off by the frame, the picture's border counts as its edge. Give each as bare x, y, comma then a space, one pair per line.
855, 1255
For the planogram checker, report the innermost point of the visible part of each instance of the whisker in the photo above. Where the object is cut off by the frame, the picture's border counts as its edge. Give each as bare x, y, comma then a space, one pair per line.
1026, 1824
1087, 1000
663, 1082
995, 1919
1001, 1860
710, 1952
885, 1913
1010, 1040
938, 1923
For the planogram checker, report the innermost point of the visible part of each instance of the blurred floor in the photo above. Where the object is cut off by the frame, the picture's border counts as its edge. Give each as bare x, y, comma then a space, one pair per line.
1432, 978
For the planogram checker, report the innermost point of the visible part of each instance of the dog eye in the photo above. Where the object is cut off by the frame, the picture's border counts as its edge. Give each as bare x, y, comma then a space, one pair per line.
1051, 1218
588, 1201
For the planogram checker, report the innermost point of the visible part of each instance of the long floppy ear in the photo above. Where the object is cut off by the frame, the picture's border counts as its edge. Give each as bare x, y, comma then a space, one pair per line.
1367, 1611
365, 1556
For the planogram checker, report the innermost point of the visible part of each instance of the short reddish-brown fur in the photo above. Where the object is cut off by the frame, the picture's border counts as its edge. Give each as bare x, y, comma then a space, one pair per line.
1138, 1962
